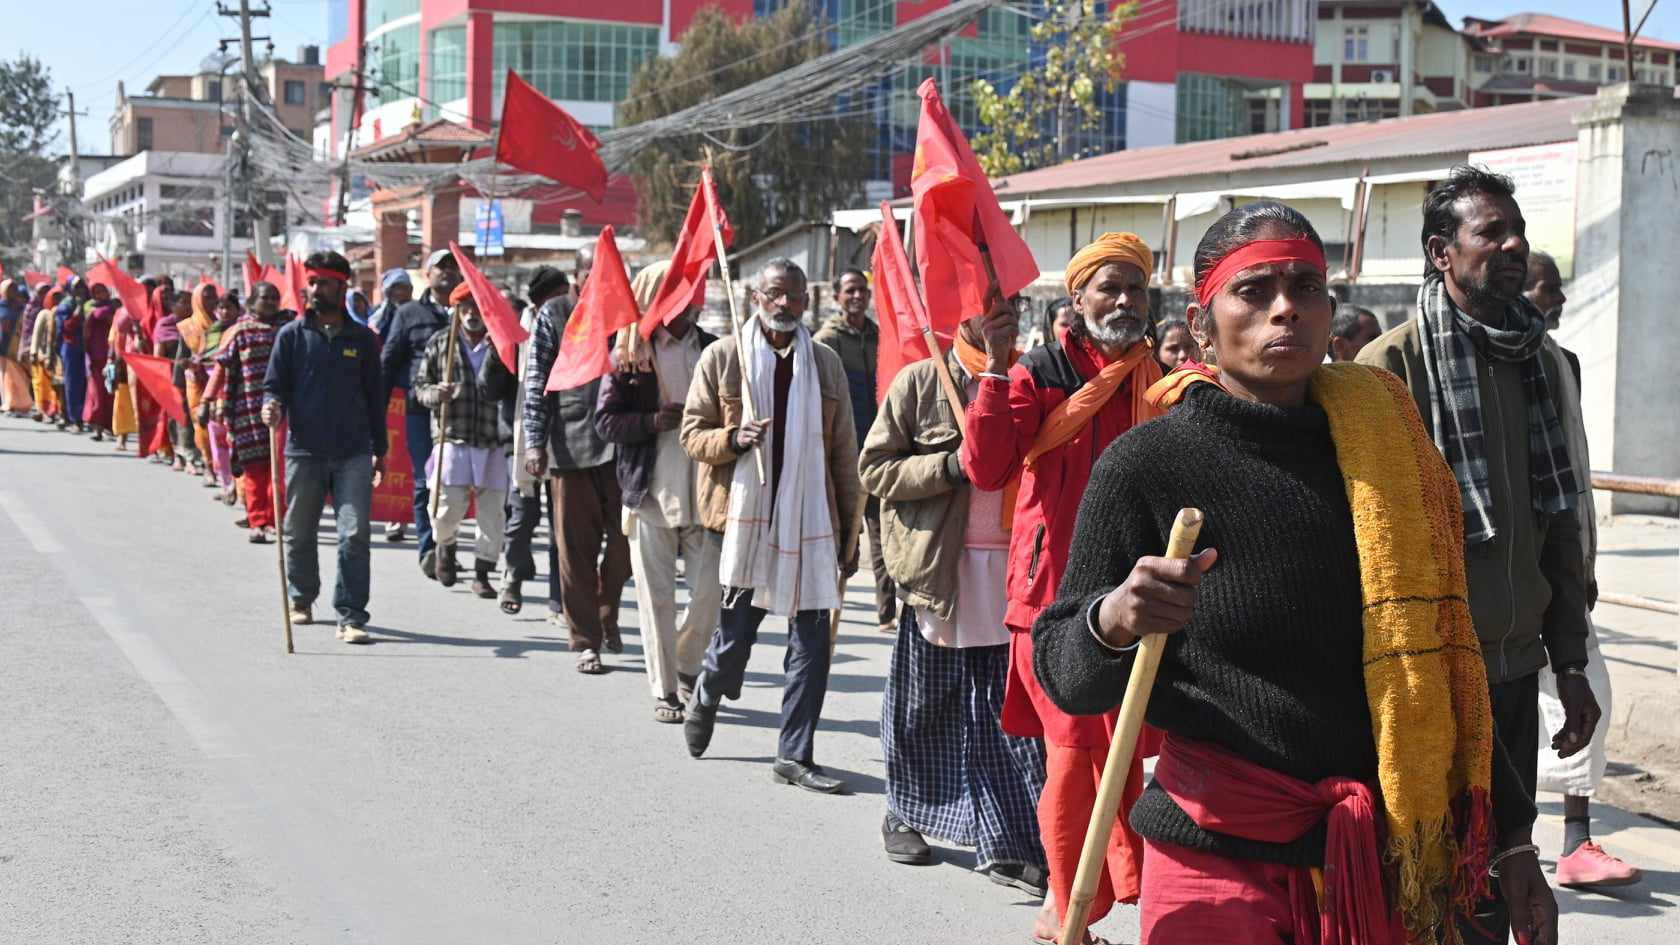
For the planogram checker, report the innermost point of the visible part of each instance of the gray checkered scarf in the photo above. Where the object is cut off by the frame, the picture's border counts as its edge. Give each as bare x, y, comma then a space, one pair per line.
1450, 342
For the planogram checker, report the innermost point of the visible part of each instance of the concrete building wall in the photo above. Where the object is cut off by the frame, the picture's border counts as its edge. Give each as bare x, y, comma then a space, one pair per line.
1619, 319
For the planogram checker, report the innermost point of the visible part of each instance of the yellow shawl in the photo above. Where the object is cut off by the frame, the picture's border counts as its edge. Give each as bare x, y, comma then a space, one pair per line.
1424, 677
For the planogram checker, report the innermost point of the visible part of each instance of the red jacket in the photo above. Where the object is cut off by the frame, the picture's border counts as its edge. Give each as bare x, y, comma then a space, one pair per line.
1003, 421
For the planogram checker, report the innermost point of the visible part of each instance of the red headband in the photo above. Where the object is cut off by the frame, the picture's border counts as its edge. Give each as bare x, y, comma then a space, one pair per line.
1259, 252
333, 274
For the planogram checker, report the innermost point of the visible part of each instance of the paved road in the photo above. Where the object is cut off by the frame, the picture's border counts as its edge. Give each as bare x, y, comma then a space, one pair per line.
168, 775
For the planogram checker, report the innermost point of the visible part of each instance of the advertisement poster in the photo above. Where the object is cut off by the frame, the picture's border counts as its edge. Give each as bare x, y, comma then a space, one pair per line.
1545, 179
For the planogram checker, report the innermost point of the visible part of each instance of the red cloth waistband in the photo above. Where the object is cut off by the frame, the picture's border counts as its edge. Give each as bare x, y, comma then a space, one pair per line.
1297, 249
1230, 795
333, 274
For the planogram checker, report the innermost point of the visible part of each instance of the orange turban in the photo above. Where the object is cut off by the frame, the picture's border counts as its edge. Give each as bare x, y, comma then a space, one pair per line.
1109, 248
462, 291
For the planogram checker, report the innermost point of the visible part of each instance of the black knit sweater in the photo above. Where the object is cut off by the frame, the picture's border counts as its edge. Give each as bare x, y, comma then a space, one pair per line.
1269, 666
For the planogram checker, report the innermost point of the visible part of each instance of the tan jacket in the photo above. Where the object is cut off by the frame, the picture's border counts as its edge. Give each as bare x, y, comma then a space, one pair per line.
712, 414
1528, 590
924, 514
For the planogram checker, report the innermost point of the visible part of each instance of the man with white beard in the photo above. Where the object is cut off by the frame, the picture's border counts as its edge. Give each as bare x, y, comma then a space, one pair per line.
785, 536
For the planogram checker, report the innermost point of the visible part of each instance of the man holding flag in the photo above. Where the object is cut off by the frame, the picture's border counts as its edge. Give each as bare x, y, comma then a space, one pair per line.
1036, 427
470, 443
785, 535
585, 482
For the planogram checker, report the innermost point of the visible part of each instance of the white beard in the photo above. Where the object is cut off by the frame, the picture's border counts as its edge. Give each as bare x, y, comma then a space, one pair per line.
1115, 332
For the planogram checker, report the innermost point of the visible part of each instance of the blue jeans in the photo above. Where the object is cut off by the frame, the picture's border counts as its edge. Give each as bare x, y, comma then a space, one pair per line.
418, 428
350, 480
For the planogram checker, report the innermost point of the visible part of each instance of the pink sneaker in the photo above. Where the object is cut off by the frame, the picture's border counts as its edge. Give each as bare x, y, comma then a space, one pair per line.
1589, 865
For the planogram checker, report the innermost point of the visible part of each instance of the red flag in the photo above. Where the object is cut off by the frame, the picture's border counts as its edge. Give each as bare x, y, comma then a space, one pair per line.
898, 306
154, 375
538, 136
684, 284
32, 278
956, 215
126, 288
505, 331
65, 275
294, 289
204, 279
252, 271
606, 306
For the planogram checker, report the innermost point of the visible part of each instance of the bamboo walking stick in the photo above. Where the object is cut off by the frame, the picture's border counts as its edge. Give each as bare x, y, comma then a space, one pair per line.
443, 417
274, 484
1121, 749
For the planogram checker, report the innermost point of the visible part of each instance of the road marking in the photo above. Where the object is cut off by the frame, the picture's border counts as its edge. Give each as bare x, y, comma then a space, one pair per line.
33, 528
212, 736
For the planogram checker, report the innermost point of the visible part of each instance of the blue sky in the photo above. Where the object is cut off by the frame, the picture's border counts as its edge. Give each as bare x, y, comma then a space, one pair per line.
121, 39
137, 41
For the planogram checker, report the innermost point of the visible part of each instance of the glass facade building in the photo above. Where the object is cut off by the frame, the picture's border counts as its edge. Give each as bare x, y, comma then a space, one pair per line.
399, 63
571, 60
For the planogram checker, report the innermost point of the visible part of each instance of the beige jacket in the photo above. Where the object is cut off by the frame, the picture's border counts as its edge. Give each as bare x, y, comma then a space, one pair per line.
924, 513
712, 414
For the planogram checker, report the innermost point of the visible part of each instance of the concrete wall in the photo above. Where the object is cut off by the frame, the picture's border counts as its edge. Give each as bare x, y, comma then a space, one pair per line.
1620, 317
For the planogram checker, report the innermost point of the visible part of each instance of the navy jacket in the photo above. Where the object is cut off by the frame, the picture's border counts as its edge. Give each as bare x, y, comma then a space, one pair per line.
332, 390
405, 336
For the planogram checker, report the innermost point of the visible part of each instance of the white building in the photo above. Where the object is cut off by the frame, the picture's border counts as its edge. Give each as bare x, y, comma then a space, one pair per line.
164, 211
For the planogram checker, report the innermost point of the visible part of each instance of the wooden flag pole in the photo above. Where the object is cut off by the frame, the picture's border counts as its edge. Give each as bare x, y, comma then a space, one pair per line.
943, 370
443, 418
274, 486
1118, 767
748, 413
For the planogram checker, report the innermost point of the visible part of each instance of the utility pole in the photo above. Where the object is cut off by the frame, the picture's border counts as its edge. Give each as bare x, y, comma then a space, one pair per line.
256, 204
350, 140
72, 221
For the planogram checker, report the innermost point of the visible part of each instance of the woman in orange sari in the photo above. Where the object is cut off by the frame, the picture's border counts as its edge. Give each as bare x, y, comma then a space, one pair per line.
195, 332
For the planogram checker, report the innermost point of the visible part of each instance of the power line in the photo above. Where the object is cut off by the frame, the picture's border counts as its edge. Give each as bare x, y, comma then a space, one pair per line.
167, 33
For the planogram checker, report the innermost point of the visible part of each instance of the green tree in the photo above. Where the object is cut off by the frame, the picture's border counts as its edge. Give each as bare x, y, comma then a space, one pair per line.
767, 177
1036, 122
28, 111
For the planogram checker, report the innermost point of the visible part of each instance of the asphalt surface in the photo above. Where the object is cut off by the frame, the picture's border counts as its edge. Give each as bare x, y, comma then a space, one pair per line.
169, 775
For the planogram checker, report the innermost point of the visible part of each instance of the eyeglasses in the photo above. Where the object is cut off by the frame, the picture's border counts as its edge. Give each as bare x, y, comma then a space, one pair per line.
782, 296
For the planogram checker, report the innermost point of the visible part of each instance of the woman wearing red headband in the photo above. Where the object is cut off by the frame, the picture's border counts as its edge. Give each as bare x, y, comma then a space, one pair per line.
1329, 771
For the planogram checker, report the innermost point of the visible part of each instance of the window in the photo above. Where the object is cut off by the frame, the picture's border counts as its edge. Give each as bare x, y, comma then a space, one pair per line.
446, 73
399, 63
1318, 112
294, 92
1547, 66
1516, 64
1484, 65
213, 90
1593, 71
569, 60
142, 134
1356, 44
380, 12
188, 220
1569, 68
1613, 74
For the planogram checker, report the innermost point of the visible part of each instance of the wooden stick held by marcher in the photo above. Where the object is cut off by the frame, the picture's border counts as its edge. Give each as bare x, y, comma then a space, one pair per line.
274, 488
737, 326
443, 418
1118, 767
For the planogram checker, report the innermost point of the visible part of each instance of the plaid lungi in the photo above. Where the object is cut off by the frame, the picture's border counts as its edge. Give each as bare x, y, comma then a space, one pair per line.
952, 773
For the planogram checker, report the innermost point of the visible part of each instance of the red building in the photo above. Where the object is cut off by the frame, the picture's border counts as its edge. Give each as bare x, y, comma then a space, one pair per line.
1196, 69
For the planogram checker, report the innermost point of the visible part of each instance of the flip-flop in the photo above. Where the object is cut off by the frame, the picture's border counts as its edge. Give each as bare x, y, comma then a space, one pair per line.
589, 663
666, 712
513, 599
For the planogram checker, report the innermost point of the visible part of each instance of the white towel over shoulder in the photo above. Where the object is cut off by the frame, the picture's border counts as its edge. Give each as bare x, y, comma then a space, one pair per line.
788, 558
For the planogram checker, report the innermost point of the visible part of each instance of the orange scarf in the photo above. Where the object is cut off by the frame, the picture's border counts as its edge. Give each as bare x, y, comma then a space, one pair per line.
973, 359
1071, 415
1169, 390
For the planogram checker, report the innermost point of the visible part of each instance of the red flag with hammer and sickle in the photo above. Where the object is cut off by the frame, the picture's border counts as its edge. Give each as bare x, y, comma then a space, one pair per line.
539, 137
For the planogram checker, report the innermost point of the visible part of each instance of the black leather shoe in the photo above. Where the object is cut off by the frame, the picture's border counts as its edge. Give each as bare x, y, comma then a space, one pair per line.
904, 844
698, 722
1023, 876
809, 777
